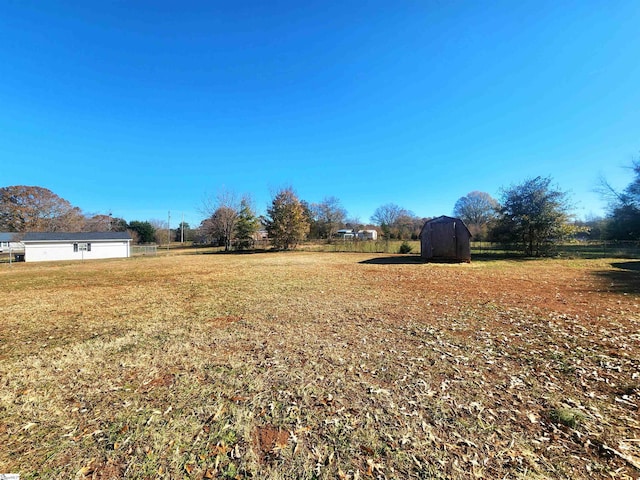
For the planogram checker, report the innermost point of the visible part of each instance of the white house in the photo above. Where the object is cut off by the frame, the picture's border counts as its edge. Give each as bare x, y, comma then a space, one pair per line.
368, 234
9, 243
49, 246
345, 233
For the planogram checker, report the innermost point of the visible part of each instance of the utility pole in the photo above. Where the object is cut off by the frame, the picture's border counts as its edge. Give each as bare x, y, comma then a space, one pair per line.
182, 229
168, 230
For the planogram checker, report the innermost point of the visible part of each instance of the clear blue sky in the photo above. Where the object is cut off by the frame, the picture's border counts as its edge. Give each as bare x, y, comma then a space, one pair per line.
140, 107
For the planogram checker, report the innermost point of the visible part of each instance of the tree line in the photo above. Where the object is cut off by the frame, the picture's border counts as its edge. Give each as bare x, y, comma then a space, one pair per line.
533, 215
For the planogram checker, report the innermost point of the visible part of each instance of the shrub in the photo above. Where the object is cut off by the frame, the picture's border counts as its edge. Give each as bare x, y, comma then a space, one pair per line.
405, 248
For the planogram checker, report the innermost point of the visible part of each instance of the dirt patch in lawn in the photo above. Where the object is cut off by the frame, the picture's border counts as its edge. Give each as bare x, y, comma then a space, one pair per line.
269, 440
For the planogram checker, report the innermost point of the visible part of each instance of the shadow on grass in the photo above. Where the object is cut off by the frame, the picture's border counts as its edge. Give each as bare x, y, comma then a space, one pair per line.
396, 260
416, 259
492, 256
624, 279
230, 252
475, 257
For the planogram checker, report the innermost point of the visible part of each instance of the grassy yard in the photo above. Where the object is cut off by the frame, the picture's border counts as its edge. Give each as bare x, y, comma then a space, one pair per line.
318, 365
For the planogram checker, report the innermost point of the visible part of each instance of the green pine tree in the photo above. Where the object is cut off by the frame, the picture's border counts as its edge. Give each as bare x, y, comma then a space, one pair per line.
246, 227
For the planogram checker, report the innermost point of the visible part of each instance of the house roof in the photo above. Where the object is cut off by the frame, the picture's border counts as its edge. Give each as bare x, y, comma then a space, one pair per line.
74, 236
8, 236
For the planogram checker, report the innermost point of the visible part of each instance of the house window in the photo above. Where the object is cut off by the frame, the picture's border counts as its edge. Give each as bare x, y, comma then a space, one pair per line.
82, 247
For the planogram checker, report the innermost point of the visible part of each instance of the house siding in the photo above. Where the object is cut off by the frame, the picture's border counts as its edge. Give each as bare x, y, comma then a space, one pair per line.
53, 246
52, 251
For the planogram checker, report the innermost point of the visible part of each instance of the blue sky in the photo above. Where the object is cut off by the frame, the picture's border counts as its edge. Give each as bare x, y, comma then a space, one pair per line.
141, 107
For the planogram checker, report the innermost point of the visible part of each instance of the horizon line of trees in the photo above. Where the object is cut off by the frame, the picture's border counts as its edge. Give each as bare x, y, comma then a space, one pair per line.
534, 215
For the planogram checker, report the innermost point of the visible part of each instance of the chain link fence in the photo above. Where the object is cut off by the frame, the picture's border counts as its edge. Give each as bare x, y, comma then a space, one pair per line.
590, 249
144, 250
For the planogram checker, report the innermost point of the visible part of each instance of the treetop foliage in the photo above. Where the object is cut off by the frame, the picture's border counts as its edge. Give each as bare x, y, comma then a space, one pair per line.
327, 217
286, 221
246, 226
397, 222
230, 220
37, 209
144, 231
478, 210
533, 214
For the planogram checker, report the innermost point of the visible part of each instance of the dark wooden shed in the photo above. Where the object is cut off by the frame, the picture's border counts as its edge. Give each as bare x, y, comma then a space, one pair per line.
445, 239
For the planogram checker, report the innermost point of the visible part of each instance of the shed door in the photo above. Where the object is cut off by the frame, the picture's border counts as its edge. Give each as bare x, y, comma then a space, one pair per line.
443, 240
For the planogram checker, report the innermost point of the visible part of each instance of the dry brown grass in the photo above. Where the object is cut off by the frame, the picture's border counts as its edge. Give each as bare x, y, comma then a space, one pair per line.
316, 365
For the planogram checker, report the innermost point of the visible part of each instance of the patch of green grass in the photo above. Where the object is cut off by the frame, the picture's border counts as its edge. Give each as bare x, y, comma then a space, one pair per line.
569, 417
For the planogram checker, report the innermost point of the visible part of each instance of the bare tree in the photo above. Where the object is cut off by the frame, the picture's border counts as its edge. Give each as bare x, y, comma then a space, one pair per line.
105, 223
394, 220
223, 198
623, 222
407, 226
222, 216
353, 223
161, 231
477, 210
387, 214
612, 196
329, 216
222, 225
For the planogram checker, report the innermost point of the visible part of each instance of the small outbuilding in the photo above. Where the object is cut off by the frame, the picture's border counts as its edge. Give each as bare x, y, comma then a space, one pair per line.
345, 233
368, 235
445, 239
50, 246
